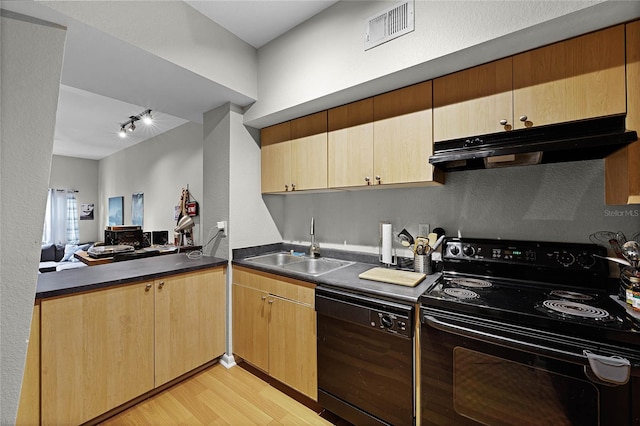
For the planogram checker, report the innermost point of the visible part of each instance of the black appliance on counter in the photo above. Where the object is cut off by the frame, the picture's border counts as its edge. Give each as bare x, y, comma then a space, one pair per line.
365, 357
523, 332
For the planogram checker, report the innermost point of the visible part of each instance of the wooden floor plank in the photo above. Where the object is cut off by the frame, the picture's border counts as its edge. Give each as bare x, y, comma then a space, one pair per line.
217, 396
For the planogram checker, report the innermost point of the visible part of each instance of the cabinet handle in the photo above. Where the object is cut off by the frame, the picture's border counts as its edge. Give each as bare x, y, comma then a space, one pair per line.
523, 118
160, 285
368, 180
148, 287
293, 186
503, 122
378, 179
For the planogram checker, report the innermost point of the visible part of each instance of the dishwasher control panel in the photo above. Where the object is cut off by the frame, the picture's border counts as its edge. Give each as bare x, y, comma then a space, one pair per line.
391, 322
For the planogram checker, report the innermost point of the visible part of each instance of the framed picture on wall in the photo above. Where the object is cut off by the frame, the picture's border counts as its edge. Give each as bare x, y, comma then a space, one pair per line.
86, 211
116, 208
137, 208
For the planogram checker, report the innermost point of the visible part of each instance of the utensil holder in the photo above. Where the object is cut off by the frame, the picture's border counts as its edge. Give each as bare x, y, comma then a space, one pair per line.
422, 263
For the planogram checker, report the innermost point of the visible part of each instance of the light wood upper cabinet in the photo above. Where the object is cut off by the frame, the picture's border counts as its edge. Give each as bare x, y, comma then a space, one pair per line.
473, 102
294, 155
622, 168
350, 143
97, 352
403, 136
274, 327
189, 322
29, 405
583, 77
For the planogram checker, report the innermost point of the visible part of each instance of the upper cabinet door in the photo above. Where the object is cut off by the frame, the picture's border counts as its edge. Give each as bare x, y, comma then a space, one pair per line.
309, 152
473, 102
351, 144
276, 157
583, 77
403, 135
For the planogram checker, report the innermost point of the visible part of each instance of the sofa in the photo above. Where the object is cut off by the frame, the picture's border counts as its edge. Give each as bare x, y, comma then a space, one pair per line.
58, 257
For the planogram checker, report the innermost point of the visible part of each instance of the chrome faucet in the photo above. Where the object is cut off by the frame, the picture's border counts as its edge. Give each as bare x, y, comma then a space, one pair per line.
314, 248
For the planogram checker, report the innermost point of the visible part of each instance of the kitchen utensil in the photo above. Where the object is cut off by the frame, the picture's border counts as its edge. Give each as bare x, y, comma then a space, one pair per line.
437, 244
614, 259
609, 239
433, 237
439, 232
631, 252
406, 239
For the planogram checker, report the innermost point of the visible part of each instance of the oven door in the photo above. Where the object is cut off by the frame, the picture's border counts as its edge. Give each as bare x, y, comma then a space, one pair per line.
481, 372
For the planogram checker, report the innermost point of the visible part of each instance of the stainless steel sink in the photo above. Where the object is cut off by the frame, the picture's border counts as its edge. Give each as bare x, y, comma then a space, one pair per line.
276, 259
301, 264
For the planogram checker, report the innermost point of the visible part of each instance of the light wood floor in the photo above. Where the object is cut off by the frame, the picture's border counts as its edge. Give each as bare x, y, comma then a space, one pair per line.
219, 396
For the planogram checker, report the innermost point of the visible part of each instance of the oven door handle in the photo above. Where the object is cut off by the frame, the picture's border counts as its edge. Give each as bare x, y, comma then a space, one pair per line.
608, 370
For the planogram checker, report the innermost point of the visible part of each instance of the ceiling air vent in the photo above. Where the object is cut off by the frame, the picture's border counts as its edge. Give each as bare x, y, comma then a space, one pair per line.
388, 24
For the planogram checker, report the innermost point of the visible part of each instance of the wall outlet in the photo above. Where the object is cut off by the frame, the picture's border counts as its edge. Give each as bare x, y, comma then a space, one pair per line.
222, 226
423, 230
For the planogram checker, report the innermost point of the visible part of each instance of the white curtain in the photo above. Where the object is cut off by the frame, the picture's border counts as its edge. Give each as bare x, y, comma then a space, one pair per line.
61, 218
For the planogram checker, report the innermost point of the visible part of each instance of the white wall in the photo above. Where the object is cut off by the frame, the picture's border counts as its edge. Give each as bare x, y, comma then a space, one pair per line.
82, 175
322, 63
159, 168
174, 31
31, 64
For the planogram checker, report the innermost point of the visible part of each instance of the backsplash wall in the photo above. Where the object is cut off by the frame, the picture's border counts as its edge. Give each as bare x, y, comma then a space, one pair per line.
552, 202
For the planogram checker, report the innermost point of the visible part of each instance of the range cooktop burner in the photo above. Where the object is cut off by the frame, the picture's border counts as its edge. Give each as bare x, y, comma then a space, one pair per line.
471, 282
461, 293
575, 309
571, 295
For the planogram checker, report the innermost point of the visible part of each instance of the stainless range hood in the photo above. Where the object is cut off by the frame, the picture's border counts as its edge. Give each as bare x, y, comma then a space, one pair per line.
573, 141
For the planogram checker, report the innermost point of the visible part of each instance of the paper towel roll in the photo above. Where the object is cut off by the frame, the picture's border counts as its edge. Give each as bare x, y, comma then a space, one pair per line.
387, 241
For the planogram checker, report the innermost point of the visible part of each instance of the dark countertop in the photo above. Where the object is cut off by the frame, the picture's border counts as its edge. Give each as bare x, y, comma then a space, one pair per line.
345, 278
71, 281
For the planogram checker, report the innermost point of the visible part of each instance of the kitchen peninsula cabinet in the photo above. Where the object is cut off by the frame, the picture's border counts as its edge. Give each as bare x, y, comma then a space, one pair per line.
294, 155
189, 322
622, 168
105, 347
29, 404
97, 352
274, 327
583, 77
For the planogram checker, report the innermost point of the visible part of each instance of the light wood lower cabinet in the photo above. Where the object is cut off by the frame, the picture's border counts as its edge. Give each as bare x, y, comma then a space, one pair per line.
103, 348
97, 352
29, 405
189, 322
274, 327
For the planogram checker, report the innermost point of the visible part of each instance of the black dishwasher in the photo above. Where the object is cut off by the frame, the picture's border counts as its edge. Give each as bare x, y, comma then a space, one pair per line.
365, 358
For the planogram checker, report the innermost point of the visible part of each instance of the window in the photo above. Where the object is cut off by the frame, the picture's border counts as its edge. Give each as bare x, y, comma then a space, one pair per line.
61, 218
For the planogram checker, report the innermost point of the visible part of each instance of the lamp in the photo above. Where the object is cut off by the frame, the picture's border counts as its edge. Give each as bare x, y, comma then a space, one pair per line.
129, 125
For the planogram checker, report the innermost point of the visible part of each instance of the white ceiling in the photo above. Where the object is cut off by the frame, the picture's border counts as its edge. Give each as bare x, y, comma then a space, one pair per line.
99, 91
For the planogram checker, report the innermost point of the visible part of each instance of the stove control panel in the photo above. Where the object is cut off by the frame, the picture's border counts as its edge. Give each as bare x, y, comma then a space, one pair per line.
565, 256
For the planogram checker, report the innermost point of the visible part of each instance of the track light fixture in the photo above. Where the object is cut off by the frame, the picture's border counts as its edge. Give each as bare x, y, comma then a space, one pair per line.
129, 125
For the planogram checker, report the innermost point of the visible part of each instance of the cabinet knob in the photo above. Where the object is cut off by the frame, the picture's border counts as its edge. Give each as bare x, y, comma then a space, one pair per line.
264, 297
293, 186
378, 179
368, 180
503, 122
286, 187
270, 301
148, 287
523, 118
160, 285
